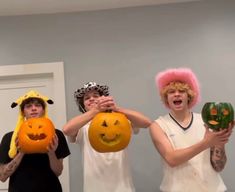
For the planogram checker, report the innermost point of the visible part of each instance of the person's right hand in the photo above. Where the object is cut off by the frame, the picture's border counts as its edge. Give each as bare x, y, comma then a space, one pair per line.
18, 146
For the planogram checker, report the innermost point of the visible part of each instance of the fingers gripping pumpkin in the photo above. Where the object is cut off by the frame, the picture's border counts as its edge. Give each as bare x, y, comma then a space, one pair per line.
217, 115
35, 134
109, 132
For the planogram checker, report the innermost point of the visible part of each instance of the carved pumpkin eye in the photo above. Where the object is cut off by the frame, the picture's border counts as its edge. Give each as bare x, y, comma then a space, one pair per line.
109, 132
225, 112
217, 115
104, 124
213, 111
35, 134
116, 122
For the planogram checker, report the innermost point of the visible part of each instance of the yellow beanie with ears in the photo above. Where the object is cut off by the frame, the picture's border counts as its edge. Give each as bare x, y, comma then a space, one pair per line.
31, 94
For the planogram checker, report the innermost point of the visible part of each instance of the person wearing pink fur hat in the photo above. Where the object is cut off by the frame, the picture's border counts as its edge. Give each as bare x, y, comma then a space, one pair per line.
192, 155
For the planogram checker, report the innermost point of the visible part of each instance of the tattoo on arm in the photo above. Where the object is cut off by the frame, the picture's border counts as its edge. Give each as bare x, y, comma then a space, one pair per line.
11, 167
6, 170
218, 158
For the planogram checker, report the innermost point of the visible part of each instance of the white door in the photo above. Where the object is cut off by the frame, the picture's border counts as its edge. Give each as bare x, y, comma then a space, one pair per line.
48, 79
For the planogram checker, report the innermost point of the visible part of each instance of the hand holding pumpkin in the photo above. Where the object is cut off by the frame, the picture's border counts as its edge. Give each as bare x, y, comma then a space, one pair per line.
53, 144
18, 146
105, 103
217, 138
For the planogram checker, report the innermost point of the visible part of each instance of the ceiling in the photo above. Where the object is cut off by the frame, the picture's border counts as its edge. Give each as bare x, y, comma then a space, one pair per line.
29, 7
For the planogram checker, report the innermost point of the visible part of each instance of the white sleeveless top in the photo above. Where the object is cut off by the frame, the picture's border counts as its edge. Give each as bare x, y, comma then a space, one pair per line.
195, 175
104, 172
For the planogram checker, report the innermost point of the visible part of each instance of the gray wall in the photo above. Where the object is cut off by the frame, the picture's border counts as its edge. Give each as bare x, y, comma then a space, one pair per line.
125, 48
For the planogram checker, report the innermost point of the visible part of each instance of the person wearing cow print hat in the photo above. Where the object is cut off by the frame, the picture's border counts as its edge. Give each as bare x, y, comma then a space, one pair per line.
103, 90
102, 172
192, 154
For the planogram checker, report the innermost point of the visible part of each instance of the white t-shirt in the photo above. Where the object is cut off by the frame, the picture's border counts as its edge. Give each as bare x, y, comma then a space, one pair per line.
195, 175
104, 172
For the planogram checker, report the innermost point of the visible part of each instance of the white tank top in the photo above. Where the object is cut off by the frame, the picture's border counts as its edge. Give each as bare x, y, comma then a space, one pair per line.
195, 175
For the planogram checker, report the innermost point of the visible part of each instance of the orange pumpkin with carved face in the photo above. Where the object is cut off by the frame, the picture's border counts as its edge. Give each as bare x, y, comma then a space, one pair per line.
35, 134
109, 132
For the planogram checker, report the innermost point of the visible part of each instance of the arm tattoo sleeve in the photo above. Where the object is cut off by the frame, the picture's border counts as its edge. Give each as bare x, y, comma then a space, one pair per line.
6, 170
218, 158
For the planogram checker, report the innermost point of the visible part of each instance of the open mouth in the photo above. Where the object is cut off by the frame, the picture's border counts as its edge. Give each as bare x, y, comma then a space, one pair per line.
178, 102
113, 141
37, 136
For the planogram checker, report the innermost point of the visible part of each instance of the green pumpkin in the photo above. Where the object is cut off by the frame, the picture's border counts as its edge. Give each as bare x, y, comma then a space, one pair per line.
217, 115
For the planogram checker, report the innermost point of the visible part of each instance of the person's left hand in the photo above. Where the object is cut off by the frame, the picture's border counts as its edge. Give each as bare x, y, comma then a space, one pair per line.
53, 144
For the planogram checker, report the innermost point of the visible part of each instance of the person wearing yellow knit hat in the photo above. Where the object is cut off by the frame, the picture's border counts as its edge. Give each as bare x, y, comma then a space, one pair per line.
35, 172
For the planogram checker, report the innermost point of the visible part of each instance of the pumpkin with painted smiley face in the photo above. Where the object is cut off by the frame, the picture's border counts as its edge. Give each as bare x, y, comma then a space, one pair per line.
109, 132
35, 135
217, 115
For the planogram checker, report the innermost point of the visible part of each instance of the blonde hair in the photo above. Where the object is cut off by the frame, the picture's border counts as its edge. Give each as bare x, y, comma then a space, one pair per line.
177, 85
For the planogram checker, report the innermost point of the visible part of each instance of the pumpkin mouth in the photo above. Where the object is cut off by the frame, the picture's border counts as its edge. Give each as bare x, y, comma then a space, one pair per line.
37, 136
213, 122
111, 141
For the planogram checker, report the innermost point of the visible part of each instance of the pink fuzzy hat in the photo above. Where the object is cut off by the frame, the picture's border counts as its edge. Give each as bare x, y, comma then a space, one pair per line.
180, 74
